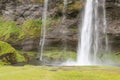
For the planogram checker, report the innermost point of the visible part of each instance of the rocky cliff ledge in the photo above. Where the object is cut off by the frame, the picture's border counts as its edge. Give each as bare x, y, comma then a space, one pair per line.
21, 11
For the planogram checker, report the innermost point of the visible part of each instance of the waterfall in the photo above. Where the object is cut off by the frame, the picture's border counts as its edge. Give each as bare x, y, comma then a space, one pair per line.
43, 29
93, 28
85, 41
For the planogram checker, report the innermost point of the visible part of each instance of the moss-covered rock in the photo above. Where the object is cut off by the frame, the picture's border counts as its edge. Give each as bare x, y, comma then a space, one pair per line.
31, 28
8, 54
6, 48
73, 8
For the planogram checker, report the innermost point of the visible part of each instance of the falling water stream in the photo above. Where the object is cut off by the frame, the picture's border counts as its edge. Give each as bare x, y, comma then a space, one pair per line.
84, 45
93, 28
92, 35
43, 29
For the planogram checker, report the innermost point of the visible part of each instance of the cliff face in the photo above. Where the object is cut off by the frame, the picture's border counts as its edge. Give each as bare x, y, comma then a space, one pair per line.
25, 10
113, 21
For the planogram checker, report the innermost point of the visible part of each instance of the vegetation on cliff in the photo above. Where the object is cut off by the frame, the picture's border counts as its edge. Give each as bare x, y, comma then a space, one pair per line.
8, 55
31, 28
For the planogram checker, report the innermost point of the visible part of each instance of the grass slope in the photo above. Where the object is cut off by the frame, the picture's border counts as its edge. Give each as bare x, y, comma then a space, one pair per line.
59, 73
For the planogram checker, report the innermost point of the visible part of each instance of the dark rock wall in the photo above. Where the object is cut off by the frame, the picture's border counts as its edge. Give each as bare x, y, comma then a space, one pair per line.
24, 10
113, 22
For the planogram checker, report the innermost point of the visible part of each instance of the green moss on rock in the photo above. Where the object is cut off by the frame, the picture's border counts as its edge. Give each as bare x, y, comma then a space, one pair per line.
32, 28
9, 31
72, 10
7, 50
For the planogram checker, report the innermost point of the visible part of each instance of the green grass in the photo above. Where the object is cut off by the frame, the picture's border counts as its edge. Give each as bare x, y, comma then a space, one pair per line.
59, 73
112, 57
60, 55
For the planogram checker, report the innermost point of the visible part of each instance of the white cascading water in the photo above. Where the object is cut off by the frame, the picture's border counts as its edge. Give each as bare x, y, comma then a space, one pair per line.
92, 35
93, 27
85, 41
43, 29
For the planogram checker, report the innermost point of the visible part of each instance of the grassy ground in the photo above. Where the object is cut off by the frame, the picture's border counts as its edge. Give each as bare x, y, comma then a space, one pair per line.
59, 73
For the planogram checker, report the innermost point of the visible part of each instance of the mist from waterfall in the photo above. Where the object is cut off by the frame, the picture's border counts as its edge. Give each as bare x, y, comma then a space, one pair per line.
43, 29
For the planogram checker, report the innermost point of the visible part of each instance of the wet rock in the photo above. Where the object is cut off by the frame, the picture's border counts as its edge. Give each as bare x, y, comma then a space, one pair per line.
30, 44
113, 23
